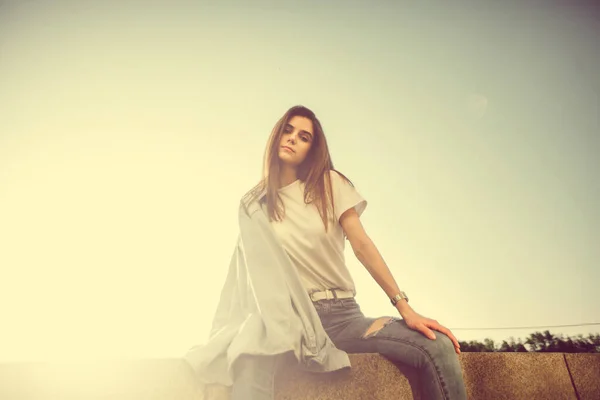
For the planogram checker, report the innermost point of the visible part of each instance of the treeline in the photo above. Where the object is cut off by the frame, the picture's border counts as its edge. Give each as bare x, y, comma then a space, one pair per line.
537, 342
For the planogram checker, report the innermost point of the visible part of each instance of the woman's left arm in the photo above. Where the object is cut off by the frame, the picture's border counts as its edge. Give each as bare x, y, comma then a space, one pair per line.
368, 254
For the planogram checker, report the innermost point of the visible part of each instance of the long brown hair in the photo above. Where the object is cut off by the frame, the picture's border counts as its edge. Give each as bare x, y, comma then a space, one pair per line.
314, 171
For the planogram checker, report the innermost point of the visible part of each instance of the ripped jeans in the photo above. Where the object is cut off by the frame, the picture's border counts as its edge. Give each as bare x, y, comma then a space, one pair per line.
434, 361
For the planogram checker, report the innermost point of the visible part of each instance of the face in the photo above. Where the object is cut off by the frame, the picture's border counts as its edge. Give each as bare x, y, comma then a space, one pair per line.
296, 141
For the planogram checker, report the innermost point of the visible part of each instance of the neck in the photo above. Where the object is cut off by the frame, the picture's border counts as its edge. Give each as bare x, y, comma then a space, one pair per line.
287, 175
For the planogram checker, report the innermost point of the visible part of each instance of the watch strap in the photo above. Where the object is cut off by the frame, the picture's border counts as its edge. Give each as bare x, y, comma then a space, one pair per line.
399, 297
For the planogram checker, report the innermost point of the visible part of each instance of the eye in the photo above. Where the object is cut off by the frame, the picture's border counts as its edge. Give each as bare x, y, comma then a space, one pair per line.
304, 139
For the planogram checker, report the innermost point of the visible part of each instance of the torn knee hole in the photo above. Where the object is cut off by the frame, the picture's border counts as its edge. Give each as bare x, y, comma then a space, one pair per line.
376, 326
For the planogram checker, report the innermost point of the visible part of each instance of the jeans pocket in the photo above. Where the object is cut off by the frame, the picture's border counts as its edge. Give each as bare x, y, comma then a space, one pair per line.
322, 307
349, 304
343, 306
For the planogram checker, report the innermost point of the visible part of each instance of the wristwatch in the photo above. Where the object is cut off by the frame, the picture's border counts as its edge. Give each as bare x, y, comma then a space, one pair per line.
399, 297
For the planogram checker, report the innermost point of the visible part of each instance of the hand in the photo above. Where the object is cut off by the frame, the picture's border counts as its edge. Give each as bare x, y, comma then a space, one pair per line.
425, 325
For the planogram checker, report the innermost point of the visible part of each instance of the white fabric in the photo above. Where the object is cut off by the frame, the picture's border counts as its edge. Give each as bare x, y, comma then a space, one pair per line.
318, 255
252, 318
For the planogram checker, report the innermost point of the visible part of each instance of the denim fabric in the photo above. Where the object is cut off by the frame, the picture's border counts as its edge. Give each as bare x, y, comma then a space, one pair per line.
435, 362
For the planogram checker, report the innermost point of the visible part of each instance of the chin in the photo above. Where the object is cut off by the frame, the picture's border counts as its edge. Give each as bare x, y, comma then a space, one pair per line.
284, 156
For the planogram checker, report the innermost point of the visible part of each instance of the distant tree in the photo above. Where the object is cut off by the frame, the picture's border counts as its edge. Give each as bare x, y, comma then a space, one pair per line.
543, 342
589, 344
472, 346
520, 347
512, 346
538, 342
489, 345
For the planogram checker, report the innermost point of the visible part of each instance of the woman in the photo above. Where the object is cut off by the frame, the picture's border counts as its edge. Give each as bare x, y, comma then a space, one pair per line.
313, 209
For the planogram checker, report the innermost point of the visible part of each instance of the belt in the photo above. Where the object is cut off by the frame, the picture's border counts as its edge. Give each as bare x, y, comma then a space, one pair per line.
330, 294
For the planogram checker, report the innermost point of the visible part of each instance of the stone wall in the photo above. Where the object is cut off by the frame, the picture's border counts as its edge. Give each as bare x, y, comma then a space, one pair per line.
487, 376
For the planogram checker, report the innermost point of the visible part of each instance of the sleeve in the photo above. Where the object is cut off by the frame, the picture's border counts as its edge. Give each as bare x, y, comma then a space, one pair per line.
345, 196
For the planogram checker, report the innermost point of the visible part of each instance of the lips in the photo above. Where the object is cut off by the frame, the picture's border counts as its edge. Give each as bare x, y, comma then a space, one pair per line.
289, 148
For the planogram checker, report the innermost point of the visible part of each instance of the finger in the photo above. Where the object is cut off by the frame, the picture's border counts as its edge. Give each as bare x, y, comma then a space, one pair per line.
427, 332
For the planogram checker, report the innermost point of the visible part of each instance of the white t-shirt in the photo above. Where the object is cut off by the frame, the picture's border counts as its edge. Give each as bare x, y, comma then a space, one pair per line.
318, 255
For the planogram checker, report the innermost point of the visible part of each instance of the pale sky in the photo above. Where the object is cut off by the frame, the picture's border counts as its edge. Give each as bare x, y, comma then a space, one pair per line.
129, 130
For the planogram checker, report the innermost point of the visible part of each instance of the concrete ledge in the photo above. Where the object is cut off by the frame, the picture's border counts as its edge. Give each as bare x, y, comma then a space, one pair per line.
487, 376
371, 377
114, 380
501, 376
585, 370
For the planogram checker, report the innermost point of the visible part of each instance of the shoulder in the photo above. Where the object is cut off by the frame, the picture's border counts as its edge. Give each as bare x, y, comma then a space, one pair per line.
336, 175
338, 178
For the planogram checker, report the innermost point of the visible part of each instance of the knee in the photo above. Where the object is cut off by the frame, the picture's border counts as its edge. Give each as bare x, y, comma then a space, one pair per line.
442, 352
439, 351
443, 346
